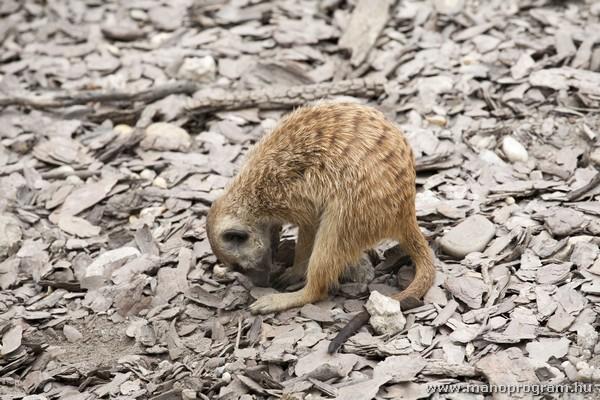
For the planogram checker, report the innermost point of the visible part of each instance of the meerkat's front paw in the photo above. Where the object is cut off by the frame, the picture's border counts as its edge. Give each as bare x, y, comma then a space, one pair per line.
277, 302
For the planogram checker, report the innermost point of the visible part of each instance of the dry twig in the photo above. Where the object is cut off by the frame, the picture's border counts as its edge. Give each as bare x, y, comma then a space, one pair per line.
283, 97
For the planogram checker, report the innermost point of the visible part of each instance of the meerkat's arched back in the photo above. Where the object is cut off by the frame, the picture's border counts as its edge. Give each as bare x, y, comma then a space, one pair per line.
345, 176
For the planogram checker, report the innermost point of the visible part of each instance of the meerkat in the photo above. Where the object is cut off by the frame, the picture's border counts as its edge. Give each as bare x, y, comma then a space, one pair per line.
345, 176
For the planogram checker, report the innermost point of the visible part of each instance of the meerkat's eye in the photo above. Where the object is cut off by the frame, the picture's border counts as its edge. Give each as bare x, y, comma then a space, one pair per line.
235, 236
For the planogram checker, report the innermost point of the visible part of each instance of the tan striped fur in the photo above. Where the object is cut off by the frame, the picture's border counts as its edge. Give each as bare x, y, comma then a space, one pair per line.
343, 174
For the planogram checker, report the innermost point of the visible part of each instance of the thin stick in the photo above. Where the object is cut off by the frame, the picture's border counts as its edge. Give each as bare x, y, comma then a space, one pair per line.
577, 193
67, 100
239, 333
282, 97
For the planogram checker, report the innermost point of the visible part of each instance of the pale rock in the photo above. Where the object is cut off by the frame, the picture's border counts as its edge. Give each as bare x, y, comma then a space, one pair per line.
386, 315
449, 6
220, 272
72, 334
570, 370
138, 15
160, 182
96, 274
148, 175
164, 136
514, 150
198, 69
471, 235
543, 349
438, 120
587, 337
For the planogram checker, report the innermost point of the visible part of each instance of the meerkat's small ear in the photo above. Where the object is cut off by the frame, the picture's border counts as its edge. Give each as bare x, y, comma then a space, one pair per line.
235, 236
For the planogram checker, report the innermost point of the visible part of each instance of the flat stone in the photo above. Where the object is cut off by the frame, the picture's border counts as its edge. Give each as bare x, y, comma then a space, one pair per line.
471, 235
165, 18
543, 349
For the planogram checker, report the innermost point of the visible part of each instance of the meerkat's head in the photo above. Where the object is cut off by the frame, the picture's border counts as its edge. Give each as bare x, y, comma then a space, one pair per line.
242, 242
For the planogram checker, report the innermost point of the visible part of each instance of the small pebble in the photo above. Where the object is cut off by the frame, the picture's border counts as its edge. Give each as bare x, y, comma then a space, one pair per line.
123, 129
514, 150
160, 182
148, 175
570, 370
226, 377
438, 120
199, 69
164, 136
219, 271
74, 180
72, 334
138, 15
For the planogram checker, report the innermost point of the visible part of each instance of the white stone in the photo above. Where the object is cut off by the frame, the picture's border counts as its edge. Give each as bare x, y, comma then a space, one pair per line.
160, 182
386, 315
164, 136
123, 129
148, 174
514, 150
471, 235
198, 69
449, 6
220, 272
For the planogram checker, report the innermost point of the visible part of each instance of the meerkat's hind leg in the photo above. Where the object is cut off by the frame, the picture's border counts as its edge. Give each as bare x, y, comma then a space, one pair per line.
304, 245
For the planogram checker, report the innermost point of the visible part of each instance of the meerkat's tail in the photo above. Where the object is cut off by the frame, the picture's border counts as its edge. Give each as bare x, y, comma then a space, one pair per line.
416, 246
413, 242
